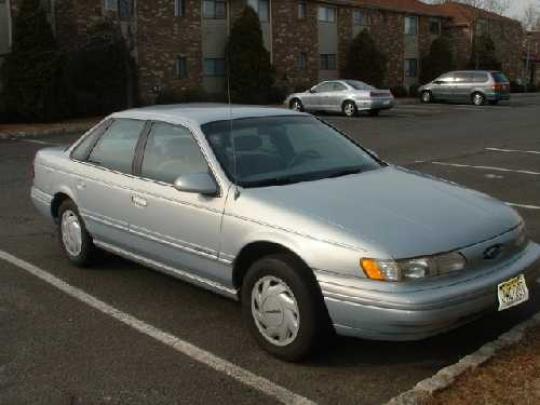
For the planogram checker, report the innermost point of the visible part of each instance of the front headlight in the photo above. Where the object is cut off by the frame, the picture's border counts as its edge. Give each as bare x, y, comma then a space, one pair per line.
412, 269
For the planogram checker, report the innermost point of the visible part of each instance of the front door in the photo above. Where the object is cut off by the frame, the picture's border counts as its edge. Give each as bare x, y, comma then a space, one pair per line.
176, 228
443, 87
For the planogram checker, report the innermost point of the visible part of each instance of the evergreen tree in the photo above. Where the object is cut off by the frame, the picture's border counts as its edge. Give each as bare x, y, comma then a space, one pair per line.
365, 62
439, 60
251, 75
484, 54
32, 71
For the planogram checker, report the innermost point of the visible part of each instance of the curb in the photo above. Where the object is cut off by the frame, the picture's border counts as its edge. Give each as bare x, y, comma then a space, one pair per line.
425, 389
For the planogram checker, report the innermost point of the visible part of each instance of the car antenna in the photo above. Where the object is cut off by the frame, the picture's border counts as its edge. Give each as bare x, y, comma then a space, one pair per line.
231, 134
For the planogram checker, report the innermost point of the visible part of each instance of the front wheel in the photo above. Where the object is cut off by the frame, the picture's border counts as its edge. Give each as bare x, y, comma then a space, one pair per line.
349, 108
296, 105
426, 97
283, 307
75, 241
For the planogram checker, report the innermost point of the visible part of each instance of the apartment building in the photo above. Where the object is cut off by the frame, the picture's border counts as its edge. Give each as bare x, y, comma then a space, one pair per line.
5, 31
179, 45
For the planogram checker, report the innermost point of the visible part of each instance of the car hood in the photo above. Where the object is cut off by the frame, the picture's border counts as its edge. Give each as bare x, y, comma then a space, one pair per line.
402, 213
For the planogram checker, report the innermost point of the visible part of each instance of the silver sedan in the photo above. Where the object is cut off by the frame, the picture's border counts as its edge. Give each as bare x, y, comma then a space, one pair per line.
346, 96
309, 230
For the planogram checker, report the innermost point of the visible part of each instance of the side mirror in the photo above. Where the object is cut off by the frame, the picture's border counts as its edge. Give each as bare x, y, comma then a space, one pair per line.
198, 183
438, 82
312, 90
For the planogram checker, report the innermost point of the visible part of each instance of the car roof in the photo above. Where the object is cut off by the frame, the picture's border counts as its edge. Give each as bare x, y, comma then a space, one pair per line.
202, 113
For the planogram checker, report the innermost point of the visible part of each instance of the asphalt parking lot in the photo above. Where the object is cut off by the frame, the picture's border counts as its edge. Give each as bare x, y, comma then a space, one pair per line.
56, 349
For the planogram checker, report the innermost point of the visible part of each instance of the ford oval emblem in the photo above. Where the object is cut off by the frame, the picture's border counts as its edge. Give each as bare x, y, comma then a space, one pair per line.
493, 252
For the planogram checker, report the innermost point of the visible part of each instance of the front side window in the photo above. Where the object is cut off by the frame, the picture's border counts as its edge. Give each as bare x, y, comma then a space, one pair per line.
411, 67
327, 14
214, 67
125, 9
214, 9
171, 152
358, 85
328, 62
445, 78
181, 67
115, 150
411, 25
268, 151
325, 87
262, 8
337, 86
302, 61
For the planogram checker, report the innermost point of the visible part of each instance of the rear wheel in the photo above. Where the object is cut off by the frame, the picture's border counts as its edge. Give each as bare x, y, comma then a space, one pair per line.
478, 99
296, 104
426, 97
75, 241
349, 109
283, 307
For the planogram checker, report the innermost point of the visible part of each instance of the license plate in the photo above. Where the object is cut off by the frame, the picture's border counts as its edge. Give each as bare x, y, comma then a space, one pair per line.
512, 292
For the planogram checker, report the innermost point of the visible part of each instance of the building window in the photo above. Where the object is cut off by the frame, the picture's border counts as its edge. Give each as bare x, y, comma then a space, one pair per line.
411, 67
302, 61
482, 27
179, 8
125, 9
327, 14
262, 8
328, 61
411, 25
214, 67
302, 10
111, 5
181, 67
434, 26
360, 18
215, 9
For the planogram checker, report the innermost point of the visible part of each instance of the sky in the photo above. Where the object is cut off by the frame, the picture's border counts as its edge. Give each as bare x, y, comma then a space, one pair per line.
517, 7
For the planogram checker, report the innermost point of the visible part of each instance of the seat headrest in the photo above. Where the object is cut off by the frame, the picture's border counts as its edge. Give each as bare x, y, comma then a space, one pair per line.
247, 143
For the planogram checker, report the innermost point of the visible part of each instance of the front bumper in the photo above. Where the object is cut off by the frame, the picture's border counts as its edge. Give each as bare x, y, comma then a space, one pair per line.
409, 314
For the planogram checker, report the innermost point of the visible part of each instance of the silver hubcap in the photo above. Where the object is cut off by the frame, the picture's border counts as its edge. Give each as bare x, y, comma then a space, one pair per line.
71, 233
275, 310
478, 99
349, 109
296, 105
426, 97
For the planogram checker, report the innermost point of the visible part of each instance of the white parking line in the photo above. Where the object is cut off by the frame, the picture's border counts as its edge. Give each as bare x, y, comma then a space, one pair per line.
492, 168
240, 374
533, 152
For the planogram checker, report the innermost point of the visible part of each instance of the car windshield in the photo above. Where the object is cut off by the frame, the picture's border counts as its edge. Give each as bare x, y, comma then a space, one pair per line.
499, 77
358, 85
282, 150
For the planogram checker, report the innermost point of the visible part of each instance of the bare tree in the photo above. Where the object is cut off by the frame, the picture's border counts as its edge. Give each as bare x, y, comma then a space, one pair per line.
531, 17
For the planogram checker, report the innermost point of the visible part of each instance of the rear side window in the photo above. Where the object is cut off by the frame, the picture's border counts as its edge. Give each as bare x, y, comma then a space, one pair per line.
116, 148
171, 152
499, 77
479, 77
83, 149
462, 77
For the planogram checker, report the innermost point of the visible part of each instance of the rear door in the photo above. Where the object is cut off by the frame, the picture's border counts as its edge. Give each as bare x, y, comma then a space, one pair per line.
103, 184
462, 87
320, 99
336, 96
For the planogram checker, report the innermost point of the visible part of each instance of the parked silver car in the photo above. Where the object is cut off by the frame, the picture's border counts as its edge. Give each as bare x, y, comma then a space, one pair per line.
312, 232
469, 86
346, 96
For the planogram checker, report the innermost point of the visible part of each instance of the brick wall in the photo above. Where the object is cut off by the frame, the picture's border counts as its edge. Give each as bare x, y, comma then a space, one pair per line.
160, 38
387, 30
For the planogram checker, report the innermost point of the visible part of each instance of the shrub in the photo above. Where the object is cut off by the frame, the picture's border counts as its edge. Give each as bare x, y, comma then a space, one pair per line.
439, 60
399, 91
413, 90
192, 95
99, 72
484, 55
251, 75
32, 72
364, 61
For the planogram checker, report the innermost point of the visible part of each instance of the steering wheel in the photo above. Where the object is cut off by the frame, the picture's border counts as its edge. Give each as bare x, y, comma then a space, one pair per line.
303, 156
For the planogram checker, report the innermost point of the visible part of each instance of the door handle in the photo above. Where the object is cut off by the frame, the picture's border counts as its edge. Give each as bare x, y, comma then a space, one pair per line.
139, 201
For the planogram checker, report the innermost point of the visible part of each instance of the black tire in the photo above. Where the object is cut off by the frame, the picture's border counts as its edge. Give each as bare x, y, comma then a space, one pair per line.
374, 113
426, 97
349, 109
296, 104
478, 99
313, 321
88, 251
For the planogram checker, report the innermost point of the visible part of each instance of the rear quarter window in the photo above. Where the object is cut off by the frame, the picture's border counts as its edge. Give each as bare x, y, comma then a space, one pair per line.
499, 77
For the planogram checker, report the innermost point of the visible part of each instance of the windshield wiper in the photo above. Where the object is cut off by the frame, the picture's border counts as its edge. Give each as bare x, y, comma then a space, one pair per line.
345, 172
277, 181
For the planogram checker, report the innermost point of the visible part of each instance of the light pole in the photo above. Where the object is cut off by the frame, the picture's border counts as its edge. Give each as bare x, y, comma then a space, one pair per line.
527, 73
